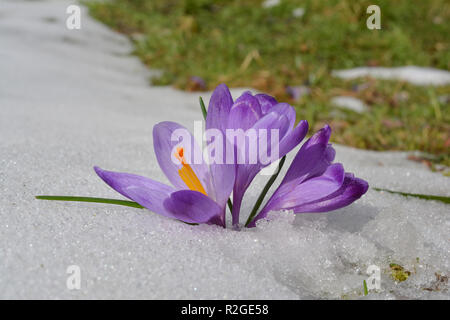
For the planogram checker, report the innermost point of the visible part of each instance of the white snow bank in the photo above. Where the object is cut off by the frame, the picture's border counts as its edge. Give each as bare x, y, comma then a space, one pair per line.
270, 3
412, 74
73, 99
350, 103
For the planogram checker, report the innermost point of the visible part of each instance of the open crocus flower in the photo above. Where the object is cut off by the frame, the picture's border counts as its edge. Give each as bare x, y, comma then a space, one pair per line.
252, 113
195, 195
313, 183
202, 182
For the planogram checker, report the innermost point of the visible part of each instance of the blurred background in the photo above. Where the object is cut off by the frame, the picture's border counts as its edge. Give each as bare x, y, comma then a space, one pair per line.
290, 48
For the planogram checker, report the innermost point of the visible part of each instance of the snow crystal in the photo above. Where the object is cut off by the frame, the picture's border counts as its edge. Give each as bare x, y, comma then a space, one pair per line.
73, 99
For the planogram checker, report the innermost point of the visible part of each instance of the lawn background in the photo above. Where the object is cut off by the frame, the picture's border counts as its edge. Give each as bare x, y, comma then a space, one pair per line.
244, 44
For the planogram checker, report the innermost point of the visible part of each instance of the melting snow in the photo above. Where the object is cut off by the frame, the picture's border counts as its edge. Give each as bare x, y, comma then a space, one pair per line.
412, 74
351, 103
73, 99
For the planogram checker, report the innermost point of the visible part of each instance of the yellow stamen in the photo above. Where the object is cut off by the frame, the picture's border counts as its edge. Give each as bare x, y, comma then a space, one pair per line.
187, 174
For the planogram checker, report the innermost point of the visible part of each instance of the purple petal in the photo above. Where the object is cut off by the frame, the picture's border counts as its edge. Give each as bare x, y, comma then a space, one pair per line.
164, 149
352, 189
245, 112
271, 121
245, 173
219, 108
222, 181
312, 159
293, 138
287, 110
309, 190
266, 102
147, 192
193, 207
222, 175
288, 195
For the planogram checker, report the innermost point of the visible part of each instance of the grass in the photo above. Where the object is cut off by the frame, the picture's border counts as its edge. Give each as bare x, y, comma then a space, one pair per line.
243, 44
442, 199
366, 292
126, 203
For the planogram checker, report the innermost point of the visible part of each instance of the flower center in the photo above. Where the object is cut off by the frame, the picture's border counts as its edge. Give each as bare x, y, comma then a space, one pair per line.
187, 174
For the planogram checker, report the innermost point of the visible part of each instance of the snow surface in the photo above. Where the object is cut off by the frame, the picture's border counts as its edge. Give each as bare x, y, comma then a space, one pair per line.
350, 103
412, 74
73, 99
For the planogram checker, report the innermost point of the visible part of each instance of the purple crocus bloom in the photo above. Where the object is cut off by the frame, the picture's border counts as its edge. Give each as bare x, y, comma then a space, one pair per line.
198, 193
313, 183
256, 112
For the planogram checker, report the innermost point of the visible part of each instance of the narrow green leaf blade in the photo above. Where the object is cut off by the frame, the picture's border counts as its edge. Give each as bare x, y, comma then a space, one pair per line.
230, 205
202, 106
417, 195
90, 199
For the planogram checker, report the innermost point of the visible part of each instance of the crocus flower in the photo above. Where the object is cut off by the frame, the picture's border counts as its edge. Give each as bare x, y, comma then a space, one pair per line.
199, 192
256, 112
313, 183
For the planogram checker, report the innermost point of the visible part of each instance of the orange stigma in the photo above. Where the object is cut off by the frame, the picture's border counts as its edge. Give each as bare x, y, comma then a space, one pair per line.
187, 174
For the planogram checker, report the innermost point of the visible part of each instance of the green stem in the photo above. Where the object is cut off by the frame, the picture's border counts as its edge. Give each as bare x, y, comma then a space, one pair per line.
202, 105
264, 192
230, 205
90, 199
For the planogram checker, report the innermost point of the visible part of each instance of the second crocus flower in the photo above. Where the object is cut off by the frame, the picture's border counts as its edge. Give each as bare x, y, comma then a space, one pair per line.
313, 183
249, 113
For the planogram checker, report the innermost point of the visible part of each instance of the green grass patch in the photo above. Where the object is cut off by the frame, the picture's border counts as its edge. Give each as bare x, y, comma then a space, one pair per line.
241, 43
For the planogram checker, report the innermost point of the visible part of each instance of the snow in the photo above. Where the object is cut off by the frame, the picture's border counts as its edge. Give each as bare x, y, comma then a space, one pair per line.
350, 103
412, 74
298, 12
270, 3
73, 99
